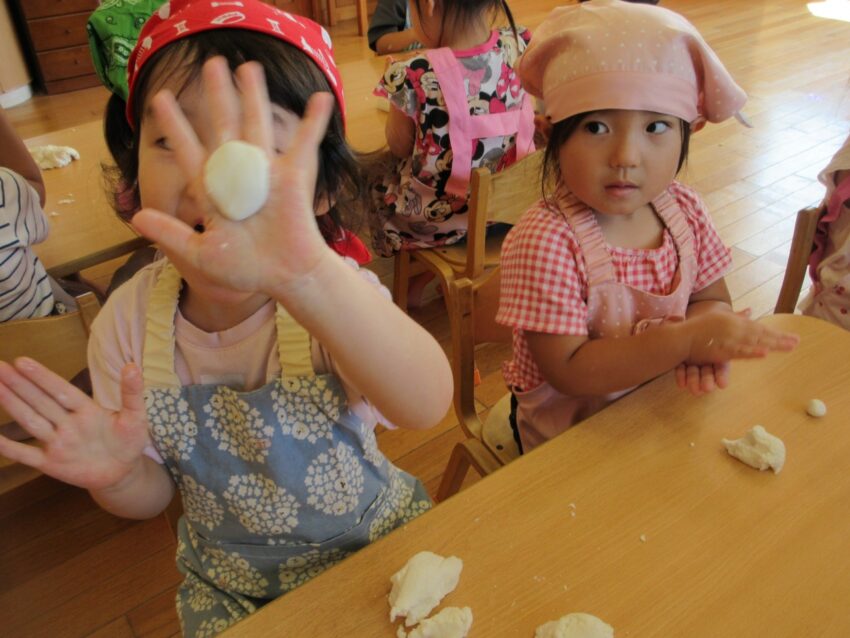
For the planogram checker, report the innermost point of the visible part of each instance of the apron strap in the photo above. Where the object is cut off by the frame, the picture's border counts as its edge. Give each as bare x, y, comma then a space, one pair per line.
293, 346
158, 352
464, 128
597, 257
668, 209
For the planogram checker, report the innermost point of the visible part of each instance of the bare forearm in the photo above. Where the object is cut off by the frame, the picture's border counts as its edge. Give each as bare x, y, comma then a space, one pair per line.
602, 366
376, 344
395, 42
15, 156
143, 493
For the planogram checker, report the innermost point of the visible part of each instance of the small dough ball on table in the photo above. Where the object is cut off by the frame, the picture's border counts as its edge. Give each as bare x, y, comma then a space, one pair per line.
576, 625
236, 177
421, 584
759, 449
451, 622
52, 156
816, 408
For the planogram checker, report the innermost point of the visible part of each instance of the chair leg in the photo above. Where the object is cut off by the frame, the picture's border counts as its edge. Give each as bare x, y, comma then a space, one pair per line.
362, 18
332, 12
466, 454
401, 279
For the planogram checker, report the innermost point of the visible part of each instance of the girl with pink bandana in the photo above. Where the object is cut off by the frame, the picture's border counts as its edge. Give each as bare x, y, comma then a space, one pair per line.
246, 369
616, 275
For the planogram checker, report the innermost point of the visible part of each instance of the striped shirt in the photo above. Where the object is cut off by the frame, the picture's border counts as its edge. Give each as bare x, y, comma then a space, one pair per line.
25, 290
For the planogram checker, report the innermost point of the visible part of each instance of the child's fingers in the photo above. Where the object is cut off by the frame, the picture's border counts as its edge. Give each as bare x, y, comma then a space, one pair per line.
167, 231
22, 453
693, 380
681, 375
66, 395
28, 387
26, 417
256, 109
311, 131
132, 398
707, 378
221, 97
181, 137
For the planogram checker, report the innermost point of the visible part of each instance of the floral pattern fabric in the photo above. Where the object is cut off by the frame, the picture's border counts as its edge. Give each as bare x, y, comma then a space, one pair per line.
412, 208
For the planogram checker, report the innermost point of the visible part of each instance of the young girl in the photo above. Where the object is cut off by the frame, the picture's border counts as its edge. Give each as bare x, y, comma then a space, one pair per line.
456, 107
829, 264
616, 276
254, 342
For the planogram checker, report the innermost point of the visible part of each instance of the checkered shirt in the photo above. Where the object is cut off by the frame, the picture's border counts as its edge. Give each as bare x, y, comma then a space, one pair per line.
544, 283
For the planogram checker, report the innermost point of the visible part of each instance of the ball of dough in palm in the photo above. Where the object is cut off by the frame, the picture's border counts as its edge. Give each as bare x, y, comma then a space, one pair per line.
236, 178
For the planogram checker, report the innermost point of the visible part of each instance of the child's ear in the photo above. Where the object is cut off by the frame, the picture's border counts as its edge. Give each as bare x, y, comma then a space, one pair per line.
430, 6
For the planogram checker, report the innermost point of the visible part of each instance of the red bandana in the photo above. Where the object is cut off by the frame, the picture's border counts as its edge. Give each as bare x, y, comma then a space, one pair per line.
181, 18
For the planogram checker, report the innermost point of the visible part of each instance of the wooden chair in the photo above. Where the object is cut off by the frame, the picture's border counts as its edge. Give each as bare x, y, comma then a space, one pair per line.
60, 343
333, 14
490, 444
494, 197
798, 259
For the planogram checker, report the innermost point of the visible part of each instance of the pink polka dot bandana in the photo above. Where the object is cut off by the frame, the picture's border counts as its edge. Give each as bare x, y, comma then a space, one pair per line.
609, 54
182, 18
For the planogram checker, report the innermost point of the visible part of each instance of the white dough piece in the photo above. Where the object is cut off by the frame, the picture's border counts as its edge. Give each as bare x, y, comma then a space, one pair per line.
576, 625
816, 407
236, 177
51, 156
421, 584
759, 449
451, 622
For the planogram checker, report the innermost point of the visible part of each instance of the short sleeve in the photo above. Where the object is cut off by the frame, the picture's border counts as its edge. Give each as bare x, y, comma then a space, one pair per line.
399, 84
390, 16
543, 287
713, 257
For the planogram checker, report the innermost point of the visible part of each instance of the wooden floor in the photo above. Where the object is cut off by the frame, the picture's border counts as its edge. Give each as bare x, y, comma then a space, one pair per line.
68, 569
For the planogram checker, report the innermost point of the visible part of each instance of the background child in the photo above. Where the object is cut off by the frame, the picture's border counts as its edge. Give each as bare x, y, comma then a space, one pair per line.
257, 343
455, 108
25, 288
389, 28
616, 276
829, 264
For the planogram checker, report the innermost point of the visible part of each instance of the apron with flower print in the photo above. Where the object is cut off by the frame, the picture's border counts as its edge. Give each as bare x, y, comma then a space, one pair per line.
277, 484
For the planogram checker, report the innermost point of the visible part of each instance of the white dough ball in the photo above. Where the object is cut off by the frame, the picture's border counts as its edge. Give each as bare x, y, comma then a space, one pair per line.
816, 407
236, 177
576, 625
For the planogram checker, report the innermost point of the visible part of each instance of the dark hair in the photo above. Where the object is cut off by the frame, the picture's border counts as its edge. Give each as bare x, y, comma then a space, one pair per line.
292, 78
462, 12
561, 132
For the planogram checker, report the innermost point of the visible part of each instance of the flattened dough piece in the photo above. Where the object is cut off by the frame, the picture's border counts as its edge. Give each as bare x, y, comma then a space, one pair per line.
759, 449
236, 177
52, 156
576, 625
421, 584
451, 622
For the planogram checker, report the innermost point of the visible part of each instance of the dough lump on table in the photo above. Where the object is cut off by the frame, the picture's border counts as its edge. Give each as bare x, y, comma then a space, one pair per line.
52, 156
576, 625
421, 584
236, 177
758, 448
816, 407
451, 622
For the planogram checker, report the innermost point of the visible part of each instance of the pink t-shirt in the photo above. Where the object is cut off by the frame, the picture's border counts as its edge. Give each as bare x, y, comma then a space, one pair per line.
244, 357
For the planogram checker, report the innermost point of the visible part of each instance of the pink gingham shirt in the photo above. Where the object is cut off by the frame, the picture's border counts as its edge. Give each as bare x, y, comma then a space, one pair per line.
544, 284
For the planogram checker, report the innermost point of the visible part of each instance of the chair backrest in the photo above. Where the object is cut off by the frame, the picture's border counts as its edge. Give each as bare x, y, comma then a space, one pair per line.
59, 342
499, 197
476, 305
798, 258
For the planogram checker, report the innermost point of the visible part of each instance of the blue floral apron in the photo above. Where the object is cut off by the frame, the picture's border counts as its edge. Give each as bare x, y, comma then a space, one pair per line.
277, 484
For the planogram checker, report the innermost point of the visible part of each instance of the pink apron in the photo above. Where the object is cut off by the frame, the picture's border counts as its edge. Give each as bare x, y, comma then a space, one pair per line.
614, 310
424, 206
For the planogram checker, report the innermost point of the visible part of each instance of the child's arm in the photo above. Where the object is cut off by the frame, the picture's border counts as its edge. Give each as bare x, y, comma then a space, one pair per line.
395, 41
82, 443
579, 366
14, 155
388, 19
401, 133
279, 251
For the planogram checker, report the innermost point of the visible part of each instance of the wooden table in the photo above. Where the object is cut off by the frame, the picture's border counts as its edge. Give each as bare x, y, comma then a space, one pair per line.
671, 536
84, 229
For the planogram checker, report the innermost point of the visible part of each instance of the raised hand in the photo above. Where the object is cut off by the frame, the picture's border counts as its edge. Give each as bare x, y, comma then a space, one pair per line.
281, 243
81, 443
717, 337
